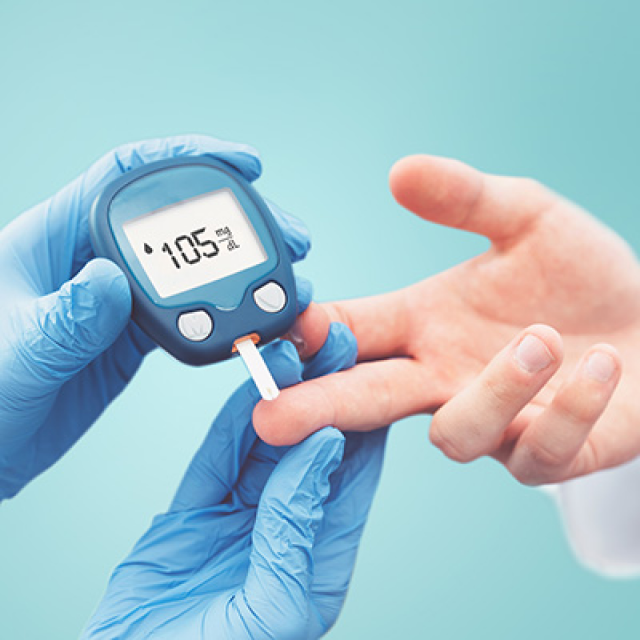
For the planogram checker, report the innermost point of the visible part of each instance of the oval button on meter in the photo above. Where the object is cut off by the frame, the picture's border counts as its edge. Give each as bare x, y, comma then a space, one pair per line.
270, 298
195, 325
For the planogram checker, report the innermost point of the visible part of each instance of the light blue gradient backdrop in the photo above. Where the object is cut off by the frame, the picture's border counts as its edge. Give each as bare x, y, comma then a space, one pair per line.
331, 94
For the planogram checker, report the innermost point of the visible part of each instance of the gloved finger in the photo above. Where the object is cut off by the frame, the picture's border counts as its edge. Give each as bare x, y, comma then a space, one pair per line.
312, 324
216, 467
64, 331
296, 236
311, 327
304, 291
183, 557
130, 156
338, 352
87, 396
310, 330
353, 487
552, 447
276, 592
63, 220
260, 463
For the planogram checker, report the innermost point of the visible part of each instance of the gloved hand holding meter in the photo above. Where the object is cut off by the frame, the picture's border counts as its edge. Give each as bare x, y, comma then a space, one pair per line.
68, 346
208, 263
205, 260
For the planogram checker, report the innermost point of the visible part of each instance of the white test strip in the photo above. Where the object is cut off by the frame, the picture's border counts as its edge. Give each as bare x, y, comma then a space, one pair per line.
257, 369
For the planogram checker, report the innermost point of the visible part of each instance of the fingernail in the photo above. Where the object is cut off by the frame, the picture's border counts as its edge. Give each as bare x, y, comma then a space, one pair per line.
295, 335
600, 366
532, 354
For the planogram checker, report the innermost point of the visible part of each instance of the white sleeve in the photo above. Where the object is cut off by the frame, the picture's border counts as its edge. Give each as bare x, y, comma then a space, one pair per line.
601, 513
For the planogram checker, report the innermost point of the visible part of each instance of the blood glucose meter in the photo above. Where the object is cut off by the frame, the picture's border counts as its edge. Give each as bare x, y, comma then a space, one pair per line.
206, 262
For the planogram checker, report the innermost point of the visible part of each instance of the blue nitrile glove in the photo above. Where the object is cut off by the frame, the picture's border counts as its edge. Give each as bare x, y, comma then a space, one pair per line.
67, 347
259, 542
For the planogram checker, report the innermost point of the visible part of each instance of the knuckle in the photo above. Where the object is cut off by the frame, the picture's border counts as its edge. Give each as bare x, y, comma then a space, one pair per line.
536, 197
385, 399
546, 457
538, 464
534, 188
583, 410
527, 478
289, 621
453, 447
498, 393
531, 184
590, 459
592, 456
43, 331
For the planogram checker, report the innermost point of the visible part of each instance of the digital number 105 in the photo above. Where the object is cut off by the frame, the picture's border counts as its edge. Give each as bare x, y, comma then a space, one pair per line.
191, 248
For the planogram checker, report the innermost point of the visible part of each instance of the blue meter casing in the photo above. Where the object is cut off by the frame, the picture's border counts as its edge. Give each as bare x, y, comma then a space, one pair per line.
204, 257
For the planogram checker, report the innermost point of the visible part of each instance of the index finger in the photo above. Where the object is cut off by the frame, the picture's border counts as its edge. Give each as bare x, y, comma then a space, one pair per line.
364, 398
451, 193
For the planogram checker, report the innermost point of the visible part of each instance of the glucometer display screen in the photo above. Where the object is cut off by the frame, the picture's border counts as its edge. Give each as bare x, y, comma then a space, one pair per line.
194, 242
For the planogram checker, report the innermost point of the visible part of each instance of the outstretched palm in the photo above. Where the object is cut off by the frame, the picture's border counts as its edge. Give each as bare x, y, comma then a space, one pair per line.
550, 265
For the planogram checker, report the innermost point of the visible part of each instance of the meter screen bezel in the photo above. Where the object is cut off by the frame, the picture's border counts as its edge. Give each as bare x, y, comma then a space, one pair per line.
170, 186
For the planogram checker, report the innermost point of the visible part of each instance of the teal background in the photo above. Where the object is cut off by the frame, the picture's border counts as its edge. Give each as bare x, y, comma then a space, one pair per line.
331, 94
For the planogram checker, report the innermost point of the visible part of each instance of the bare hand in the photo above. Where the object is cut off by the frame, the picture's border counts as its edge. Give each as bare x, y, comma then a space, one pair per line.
544, 406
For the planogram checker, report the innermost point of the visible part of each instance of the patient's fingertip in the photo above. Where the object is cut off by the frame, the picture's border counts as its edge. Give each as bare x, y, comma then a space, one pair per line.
406, 167
550, 337
403, 178
292, 416
275, 422
602, 364
538, 348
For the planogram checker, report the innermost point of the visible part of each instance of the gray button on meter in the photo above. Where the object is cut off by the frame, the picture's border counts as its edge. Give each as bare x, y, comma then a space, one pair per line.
270, 298
195, 325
